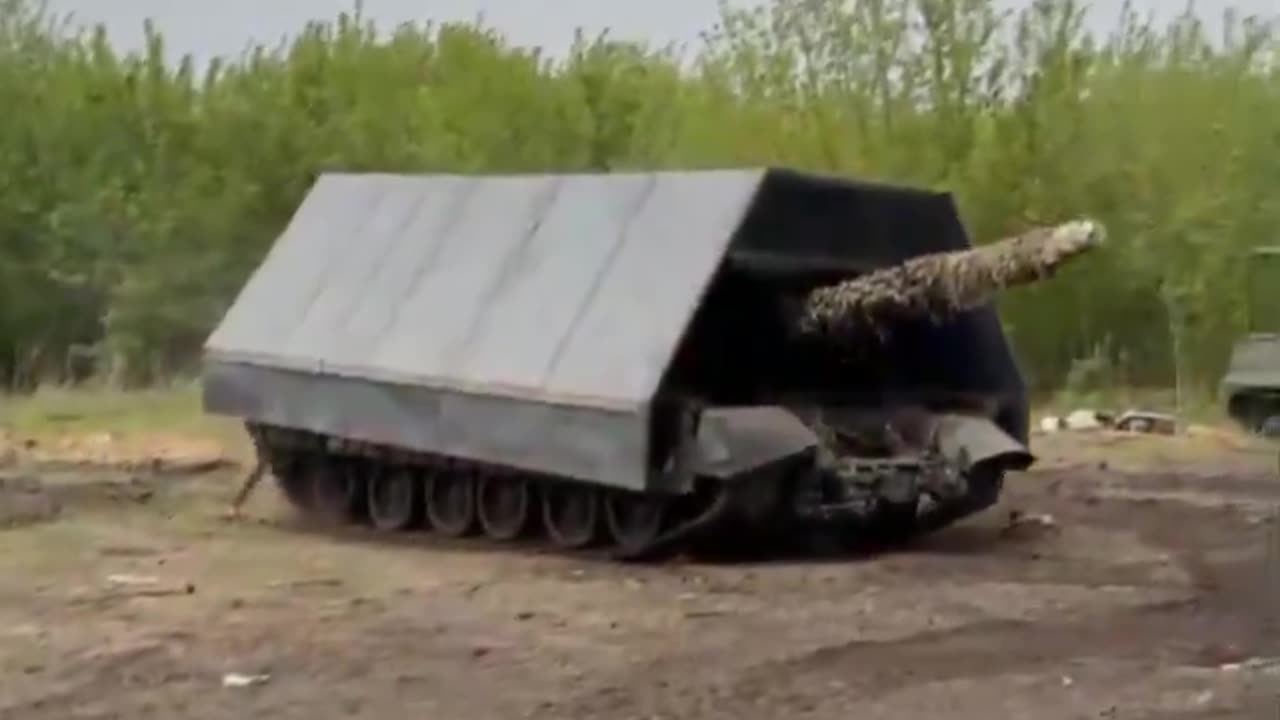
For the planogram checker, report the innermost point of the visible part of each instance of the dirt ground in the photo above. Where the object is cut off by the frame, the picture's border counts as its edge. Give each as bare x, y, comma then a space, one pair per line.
1137, 583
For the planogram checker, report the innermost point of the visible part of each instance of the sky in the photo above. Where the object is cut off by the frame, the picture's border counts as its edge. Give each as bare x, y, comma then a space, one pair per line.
226, 27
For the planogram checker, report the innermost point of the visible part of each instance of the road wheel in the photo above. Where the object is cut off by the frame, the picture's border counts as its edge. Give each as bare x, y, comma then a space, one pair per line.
505, 506
635, 521
394, 499
571, 515
451, 503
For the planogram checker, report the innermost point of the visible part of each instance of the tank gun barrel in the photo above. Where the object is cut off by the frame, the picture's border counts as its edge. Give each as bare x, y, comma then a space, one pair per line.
938, 284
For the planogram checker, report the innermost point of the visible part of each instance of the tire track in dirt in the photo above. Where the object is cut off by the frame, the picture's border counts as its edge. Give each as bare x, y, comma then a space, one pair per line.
1158, 634
1215, 625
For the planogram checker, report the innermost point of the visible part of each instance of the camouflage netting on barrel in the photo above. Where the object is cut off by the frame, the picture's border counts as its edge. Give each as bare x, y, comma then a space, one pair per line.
939, 284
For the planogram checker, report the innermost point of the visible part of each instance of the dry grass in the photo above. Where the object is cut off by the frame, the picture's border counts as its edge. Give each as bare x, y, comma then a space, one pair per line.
109, 425
101, 424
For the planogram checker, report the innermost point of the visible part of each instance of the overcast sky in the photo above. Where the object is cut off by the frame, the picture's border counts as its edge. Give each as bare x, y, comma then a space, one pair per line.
225, 27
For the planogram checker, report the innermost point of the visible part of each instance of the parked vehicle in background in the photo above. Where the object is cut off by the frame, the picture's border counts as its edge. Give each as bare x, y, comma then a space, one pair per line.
1252, 382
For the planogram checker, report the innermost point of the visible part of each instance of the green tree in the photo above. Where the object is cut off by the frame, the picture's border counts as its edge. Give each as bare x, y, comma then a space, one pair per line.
136, 193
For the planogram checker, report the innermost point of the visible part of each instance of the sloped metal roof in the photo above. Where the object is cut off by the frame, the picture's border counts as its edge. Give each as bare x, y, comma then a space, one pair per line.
570, 289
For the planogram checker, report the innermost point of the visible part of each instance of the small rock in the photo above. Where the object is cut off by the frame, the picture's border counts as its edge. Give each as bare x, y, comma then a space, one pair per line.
1084, 420
132, 580
522, 616
236, 680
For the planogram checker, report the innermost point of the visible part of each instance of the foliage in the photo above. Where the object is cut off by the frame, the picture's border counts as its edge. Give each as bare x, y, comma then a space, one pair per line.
137, 193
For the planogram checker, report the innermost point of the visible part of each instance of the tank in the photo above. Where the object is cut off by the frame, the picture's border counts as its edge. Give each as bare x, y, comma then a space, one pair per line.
1251, 385
632, 362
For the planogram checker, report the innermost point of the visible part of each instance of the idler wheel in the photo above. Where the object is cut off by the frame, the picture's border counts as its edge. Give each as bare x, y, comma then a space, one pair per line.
571, 515
334, 491
451, 503
505, 506
635, 521
393, 500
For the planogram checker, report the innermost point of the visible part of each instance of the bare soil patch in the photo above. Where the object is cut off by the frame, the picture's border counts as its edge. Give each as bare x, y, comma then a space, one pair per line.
1134, 583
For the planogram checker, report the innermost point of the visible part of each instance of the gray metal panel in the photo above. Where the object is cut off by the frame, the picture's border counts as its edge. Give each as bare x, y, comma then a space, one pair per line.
324, 331
522, 333
275, 297
733, 440
592, 444
385, 297
463, 286
572, 290
650, 289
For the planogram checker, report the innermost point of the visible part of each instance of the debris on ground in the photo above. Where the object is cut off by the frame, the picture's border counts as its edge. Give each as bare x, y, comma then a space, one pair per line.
236, 680
126, 587
1078, 420
1145, 422
1023, 524
134, 580
1142, 421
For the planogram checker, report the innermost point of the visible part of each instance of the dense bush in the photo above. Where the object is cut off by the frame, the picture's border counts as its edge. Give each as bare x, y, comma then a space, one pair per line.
136, 194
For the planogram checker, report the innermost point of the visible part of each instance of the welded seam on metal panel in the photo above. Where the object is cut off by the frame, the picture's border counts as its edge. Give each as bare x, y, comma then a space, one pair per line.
334, 258
598, 280
342, 318
258, 276
447, 224
262, 287
509, 262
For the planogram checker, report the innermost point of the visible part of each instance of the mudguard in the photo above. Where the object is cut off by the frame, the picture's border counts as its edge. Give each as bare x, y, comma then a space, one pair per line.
735, 440
976, 441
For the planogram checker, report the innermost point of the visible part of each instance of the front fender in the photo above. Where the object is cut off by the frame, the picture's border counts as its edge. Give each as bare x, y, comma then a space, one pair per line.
736, 440
975, 441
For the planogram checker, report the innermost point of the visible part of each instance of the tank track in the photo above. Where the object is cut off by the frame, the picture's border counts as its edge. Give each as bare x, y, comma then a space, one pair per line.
1257, 411
340, 482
